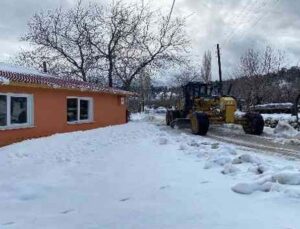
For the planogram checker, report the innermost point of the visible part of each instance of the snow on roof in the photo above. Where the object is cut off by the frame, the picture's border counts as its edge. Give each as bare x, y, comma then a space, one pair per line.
10, 74
4, 80
20, 69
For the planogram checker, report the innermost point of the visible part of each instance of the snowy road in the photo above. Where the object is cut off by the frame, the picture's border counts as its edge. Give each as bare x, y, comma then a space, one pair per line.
288, 146
141, 175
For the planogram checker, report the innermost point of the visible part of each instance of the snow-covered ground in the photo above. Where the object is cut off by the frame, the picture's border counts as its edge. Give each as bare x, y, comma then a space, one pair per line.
144, 175
275, 117
279, 117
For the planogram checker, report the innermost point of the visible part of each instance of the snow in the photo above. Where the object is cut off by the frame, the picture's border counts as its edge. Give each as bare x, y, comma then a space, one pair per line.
279, 117
284, 133
287, 178
283, 129
3, 80
249, 188
144, 175
269, 183
18, 69
274, 105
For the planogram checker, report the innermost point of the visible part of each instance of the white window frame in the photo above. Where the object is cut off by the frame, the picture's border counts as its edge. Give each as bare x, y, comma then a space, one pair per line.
30, 111
90, 111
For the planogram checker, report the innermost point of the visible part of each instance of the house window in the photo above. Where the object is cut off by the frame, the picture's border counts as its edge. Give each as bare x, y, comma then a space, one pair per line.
79, 109
16, 110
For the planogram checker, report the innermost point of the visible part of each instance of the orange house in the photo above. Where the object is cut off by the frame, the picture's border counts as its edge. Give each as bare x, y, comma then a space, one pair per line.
33, 104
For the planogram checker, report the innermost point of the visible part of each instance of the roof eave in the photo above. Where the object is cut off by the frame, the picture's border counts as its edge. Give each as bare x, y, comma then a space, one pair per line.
116, 92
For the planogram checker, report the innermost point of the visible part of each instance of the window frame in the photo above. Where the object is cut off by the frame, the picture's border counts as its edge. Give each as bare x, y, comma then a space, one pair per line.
90, 110
30, 111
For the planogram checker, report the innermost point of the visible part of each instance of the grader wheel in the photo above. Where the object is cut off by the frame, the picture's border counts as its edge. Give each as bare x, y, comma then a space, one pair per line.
254, 124
199, 123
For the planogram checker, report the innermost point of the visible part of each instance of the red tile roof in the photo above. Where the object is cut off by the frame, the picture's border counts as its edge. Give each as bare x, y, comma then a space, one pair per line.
10, 76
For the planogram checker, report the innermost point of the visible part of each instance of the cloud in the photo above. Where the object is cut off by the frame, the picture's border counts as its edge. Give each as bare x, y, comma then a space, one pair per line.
14, 15
240, 25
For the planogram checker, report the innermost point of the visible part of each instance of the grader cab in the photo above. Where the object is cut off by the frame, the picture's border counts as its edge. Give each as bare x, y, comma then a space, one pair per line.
203, 104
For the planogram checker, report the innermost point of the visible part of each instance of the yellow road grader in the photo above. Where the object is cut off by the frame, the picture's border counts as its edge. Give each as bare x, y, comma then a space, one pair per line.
203, 104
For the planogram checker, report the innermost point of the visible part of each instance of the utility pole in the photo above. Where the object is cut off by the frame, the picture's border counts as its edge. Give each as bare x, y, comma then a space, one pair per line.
220, 69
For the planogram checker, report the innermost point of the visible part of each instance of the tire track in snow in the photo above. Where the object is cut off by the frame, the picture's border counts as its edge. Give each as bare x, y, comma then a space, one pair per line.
264, 144
254, 142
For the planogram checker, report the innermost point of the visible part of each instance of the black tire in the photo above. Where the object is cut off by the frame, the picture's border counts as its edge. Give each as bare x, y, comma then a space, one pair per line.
254, 124
199, 123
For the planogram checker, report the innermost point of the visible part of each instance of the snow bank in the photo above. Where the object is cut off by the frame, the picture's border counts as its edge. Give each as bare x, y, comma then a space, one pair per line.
249, 188
267, 183
246, 158
148, 117
230, 169
289, 178
279, 117
284, 129
258, 169
220, 156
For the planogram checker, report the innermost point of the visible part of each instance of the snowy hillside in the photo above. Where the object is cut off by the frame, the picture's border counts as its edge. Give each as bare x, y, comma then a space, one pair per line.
144, 175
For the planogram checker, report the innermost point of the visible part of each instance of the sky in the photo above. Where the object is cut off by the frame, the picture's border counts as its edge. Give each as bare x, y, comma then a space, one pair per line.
236, 24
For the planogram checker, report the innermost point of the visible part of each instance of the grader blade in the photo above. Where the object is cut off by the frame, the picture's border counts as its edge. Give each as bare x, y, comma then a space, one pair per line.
181, 123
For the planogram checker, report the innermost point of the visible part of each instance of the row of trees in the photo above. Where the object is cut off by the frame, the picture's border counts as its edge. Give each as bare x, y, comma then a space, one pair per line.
255, 79
259, 77
195, 72
110, 44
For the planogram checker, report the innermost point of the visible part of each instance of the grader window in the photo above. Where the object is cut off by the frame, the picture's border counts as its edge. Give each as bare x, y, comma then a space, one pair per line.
202, 90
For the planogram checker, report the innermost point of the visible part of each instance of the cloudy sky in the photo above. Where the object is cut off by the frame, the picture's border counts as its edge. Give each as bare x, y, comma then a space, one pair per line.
236, 24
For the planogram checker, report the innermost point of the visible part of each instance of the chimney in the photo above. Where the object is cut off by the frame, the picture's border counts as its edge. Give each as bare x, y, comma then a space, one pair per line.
44, 67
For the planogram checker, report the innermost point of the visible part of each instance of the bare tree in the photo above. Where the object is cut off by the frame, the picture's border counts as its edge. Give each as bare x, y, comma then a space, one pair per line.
156, 39
112, 26
206, 67
144, 89
187, 74
61, 34
35, 59
253, 69
121, 40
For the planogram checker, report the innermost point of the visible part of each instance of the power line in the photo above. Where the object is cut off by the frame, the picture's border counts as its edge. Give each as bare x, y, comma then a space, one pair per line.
264, 15
248, 18
259, 18
242, 14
